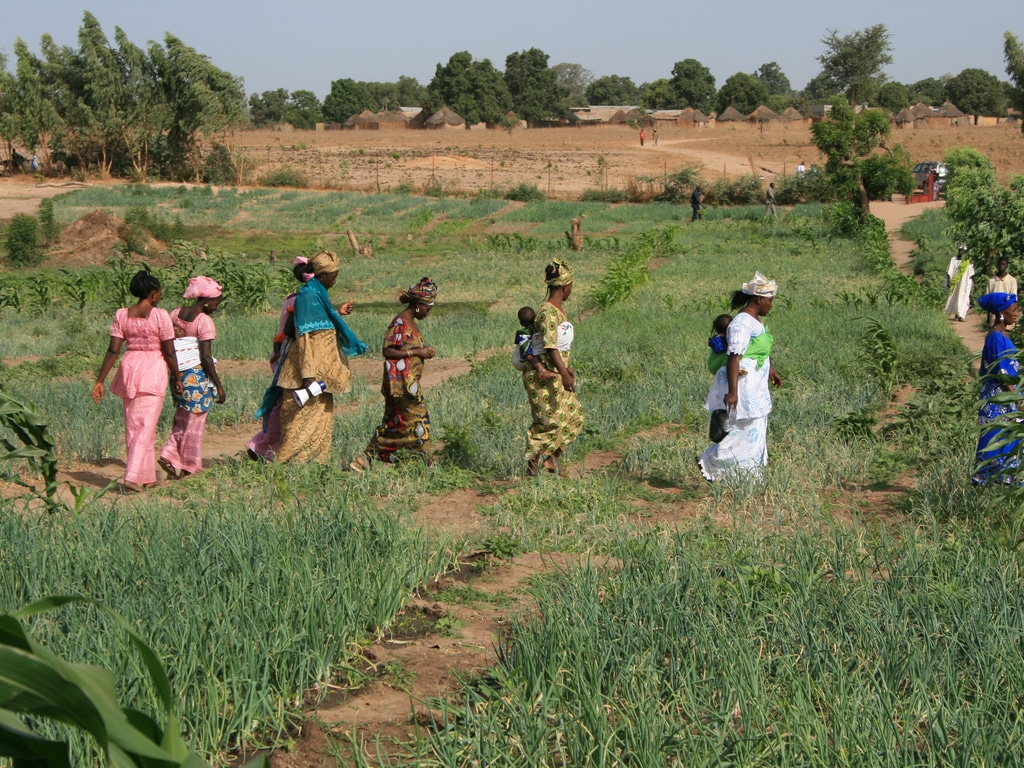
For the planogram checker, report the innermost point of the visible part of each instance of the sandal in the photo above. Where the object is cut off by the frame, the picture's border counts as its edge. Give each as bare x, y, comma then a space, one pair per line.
358, 464
172, 472
126, 488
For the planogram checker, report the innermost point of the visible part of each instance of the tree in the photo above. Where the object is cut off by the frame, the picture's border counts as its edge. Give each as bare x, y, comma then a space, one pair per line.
977, 92
613, 91
98, 93
203, 100
894, 96
1013, 52
854, 63
536, 94
268, 107
575, 79
347, 98
658, 94
860, 166
406, 92
35, 118
474, 89
694, 85
143, 105
820, 88
931, 91
742, 91
774, 79
986, 217
303, 110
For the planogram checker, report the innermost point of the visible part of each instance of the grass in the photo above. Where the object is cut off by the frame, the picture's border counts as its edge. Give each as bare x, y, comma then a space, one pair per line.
785, 639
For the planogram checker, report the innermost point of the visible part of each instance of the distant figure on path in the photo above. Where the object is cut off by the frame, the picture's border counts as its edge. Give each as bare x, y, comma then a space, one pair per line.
801, 169
769, 202
959, 281
696, 204
654, 133
1001, 282
642, 137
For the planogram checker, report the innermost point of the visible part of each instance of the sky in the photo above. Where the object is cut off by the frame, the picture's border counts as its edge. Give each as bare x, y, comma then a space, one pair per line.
306, 45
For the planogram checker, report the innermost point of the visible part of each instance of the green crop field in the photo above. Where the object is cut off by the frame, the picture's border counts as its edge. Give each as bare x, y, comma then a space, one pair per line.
785, 622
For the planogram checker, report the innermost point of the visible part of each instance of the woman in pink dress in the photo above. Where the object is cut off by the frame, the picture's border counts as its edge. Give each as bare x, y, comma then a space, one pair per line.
182, 454
141, 379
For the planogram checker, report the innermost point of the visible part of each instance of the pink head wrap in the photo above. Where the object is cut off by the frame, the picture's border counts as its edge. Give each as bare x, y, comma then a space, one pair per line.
202, 287
306, 276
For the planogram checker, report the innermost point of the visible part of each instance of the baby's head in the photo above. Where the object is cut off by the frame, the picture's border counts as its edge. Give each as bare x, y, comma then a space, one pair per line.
527, 316
720, 324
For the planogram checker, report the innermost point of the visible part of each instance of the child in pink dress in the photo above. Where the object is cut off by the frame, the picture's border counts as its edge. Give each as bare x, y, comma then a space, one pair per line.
141, 379
182, 454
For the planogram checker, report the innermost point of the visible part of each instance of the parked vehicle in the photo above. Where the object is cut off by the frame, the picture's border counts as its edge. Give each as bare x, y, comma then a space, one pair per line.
921, 171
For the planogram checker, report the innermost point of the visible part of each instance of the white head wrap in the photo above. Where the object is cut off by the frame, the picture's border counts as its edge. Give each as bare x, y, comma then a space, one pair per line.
760, 286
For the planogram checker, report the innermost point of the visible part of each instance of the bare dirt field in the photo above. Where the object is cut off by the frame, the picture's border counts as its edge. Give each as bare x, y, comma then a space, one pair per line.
564, 162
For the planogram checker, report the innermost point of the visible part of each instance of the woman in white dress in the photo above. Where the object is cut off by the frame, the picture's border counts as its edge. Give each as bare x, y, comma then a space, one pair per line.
959, 281
741, 386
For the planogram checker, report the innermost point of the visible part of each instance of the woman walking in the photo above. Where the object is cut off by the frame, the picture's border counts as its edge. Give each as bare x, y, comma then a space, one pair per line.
996, 463
267, 442
741, 386
318, 355
406, 422
182, 454
556, 411
141, 379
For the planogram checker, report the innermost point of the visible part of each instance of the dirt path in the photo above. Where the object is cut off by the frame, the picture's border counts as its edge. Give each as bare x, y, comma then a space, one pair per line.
895, 215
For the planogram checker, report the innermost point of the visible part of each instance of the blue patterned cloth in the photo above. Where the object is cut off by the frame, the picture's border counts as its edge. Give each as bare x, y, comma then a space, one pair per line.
999, 464
313, 312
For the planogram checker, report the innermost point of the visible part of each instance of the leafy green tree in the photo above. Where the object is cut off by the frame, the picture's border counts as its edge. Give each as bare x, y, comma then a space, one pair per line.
894, 96
854, 62
303, 110
774, 79
659, 94
474, 89
574, 78
743, 92
536, 94
855, 169
1013, 53
203, 100
986, 217
100, 92
268, 107
820, 88
35, 117
347, 98
931, 91
8, 120
406, 92
143, 105
977, 92
613, 91
694, 85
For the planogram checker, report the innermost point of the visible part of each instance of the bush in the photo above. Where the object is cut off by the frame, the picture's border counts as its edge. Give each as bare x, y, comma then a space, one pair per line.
23, 241
811, 187
285, 177
219, 168
604, 196
47, 222
525, 193
746, 190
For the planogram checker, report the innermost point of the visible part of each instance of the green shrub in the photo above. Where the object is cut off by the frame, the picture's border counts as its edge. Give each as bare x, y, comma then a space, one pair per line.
604, 196
219, 168
285, 177
48, 225
746, 190
525, 193
23, 241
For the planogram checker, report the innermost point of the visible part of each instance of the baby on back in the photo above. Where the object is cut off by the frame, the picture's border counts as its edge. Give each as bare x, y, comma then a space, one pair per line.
523, 354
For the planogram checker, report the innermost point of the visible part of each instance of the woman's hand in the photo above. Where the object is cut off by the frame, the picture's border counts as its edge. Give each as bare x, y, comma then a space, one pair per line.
346, 308
97, 392
774, 378
177, 386
568, 381
222, 396
425, 353
731, 400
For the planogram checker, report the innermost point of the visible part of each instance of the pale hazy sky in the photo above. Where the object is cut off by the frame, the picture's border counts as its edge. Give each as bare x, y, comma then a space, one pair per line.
306, 45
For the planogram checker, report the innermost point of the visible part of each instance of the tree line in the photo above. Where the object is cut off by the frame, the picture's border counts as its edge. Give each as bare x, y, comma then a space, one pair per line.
166, 111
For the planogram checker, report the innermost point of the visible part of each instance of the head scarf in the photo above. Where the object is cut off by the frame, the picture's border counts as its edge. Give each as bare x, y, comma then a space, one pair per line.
994, 303
203, 287
424, 292
564, 275
324, 263
306, 276
760, 286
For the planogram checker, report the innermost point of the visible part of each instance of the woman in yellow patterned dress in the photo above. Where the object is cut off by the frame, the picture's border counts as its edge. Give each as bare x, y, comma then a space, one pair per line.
557, 413
406, 422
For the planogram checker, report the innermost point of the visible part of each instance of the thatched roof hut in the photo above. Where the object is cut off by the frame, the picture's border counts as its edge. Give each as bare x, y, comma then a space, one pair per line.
904, 117
792, 114
763, 115
731, 115
444, 118
699, 118
922, 110
363, 118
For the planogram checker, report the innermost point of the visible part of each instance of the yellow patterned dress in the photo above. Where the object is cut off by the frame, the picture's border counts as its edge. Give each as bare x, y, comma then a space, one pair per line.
557, 413
406, 422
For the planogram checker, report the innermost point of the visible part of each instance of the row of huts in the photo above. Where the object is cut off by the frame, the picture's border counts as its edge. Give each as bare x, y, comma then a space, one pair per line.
918, 116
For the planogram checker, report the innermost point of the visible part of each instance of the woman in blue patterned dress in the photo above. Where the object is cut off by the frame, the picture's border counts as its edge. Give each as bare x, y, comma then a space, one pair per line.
996, 462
